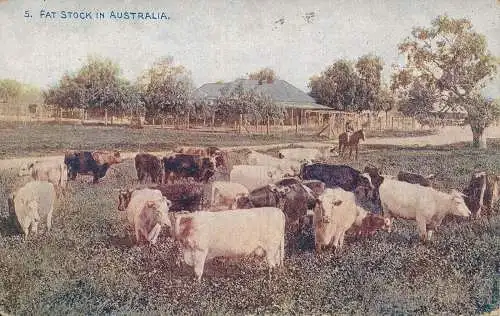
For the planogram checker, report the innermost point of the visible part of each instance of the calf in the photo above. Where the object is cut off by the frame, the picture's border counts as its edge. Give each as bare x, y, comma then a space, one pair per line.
232, 233
415, 178
32, 203
148, 165
52, 171
424, 204
188, 166
482, 192
368, 223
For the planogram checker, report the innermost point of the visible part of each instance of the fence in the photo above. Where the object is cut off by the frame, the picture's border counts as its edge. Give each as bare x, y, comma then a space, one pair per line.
300, 122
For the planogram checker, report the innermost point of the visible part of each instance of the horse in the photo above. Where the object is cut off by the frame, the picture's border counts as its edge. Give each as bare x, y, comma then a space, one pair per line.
353, 142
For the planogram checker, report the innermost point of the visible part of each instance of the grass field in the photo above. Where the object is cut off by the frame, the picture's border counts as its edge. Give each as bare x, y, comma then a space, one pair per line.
87, 264
18, 140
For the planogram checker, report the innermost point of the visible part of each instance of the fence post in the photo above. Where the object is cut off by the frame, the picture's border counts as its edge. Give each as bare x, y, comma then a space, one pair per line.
241, 123
267, 126
297, 126
188, 119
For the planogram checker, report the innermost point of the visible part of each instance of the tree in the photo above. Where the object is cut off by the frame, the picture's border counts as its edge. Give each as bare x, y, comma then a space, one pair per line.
336, 86
166, 89
10, 90
451, 61
263, 75
97, 85
253, 105
369, 73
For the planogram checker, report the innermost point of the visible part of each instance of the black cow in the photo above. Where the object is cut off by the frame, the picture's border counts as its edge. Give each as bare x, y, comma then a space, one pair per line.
189, 166
348, 179
83, 162
415, 178
184, 195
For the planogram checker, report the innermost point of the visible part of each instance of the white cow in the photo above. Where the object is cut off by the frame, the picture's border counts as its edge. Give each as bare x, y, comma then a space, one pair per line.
288, 167
424, 204
224, 194
253, 177
301, 154
147, 210
32, 203
335, 212
234, 233
55, 172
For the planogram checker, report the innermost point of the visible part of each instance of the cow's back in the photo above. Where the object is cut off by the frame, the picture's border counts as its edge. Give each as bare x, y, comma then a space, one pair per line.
332, 175
41, 193
253, 177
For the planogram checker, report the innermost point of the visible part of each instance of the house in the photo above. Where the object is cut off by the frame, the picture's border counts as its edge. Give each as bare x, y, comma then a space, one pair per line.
295, 101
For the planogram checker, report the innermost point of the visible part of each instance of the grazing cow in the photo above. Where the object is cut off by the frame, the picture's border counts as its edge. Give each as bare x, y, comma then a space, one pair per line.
335, 212
54, 172
253, 177
135, 203
301, 154
482, 192
348, 179
32, 203
232, 233
415, 178
102, 157
148, 165
185, 195
368, 223
83, 162
424, 204
288, 167
199, 168
225, 195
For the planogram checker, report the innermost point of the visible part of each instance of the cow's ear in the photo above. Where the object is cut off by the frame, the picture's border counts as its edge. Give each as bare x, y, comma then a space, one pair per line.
31, 165
337, 202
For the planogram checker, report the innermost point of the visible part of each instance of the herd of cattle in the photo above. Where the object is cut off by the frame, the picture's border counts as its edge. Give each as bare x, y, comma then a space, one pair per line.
214, 207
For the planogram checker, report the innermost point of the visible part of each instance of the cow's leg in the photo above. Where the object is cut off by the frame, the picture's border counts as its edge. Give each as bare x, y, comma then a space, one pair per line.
356, 152
350, 152
137, 235
336, 240
422, 228
153, 235
49, 221
341, 240
199, 262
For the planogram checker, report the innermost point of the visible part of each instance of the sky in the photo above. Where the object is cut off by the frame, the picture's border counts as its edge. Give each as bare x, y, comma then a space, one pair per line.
223, 39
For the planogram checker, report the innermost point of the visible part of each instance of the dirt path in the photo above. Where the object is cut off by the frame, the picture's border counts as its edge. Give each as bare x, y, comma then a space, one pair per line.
446, 135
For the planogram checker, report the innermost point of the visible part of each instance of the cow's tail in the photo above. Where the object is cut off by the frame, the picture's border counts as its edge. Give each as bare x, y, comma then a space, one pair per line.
153, 234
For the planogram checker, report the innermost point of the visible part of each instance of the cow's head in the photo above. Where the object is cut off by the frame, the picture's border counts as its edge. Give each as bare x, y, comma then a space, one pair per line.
162, 206
124, 197
207, 168
459, 207
242, 201
324, 205
25, 169
116, 158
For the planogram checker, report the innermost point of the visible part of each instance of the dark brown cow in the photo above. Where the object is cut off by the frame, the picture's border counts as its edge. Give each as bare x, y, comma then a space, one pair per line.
184, 196
415, 178
199, 168
482, 192
83, 162
148, 165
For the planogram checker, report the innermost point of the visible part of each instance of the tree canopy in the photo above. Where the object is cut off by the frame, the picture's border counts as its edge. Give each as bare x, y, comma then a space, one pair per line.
447, 63
97, 84
263, 75
348, 85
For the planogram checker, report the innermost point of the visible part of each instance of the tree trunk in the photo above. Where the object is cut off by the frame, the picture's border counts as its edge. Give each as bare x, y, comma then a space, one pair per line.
478, 138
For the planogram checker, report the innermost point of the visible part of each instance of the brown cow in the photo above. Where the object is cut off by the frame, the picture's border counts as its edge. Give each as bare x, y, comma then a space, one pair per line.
148, 165
482, 192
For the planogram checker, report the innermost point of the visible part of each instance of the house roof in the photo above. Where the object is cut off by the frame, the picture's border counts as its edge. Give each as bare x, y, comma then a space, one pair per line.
279, 91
